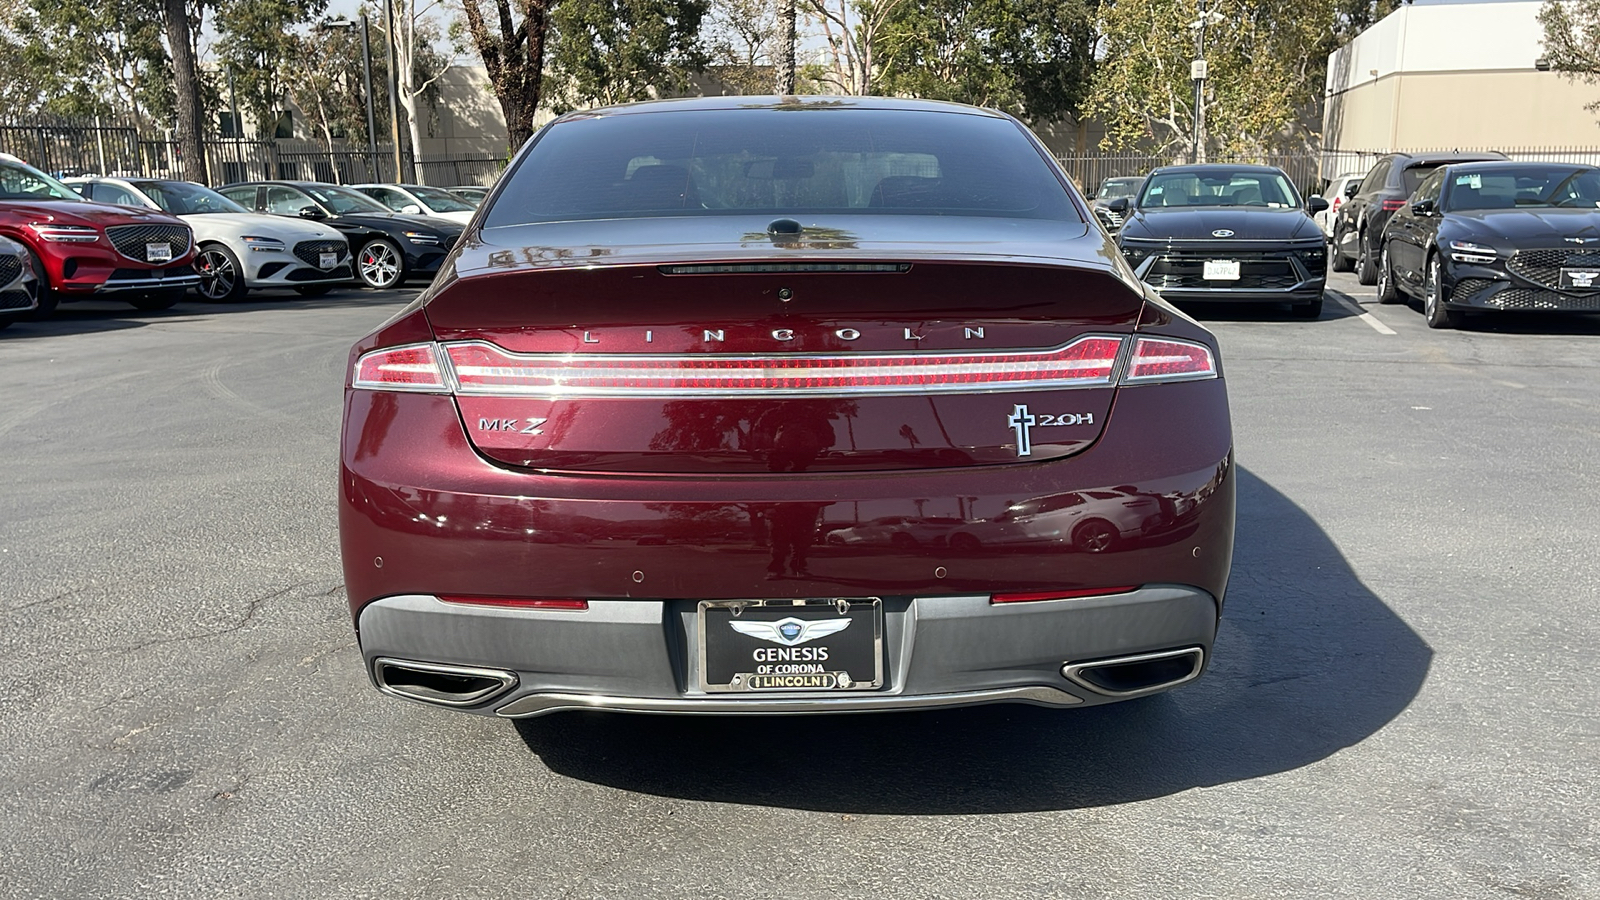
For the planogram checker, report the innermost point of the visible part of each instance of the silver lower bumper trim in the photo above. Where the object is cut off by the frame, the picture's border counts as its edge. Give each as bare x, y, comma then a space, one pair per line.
145, 284
531, 705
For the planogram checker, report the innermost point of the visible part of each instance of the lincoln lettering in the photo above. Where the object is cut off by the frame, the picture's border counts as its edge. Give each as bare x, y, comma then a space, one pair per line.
789, 654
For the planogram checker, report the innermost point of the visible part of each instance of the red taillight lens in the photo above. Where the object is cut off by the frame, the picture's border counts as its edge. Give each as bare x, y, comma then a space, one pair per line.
411, 368
484, 369
1392, 205
1036, 596
519, 602
1156, 359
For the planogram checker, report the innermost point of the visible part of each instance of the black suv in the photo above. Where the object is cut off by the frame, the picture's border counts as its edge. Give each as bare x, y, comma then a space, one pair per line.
1359, 226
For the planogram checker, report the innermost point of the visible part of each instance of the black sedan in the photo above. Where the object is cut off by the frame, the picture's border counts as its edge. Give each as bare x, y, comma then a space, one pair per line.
1496, 236
1226, 233
388, 247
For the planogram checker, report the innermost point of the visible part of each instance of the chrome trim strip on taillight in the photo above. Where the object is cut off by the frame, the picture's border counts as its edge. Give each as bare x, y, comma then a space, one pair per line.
942, 377
1017, 362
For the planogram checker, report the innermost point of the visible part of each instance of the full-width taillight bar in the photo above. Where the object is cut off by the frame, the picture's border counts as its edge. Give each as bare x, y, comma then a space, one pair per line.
478, 368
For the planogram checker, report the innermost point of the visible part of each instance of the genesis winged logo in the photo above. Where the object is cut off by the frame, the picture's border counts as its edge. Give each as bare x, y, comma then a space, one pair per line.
790, 631
1579, 240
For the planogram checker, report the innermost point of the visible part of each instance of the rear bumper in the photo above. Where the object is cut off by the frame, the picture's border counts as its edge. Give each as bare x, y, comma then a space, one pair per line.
636, 655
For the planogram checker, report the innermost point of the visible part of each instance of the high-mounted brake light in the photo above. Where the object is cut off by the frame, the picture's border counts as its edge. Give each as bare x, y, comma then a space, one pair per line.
411, 368
1037, 596
519, 602
484, 369
1160, 359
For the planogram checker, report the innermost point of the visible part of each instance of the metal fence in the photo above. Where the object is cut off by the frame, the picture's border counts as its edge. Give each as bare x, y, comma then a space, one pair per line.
82, 147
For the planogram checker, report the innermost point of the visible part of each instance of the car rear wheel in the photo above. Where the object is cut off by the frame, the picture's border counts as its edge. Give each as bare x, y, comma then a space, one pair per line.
157, 301
48, 299
1433, 301
1094, 536
1387, 293
1366, 268
381, 264
221, 276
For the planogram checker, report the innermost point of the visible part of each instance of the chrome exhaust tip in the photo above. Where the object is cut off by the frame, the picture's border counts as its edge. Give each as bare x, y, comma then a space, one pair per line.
1133, 676
438, 683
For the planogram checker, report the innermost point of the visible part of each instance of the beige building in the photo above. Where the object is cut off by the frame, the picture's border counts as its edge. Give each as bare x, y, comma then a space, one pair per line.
1444, 75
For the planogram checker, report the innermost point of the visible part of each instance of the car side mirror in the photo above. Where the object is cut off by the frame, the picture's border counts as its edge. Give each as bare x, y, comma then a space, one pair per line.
311, 212
1351, 189
1424, 207
411, 209
1316, 204
1119, 205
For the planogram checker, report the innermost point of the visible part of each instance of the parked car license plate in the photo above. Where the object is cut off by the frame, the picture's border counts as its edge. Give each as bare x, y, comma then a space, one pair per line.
758, 646
1580, 279
1221, 270
158, 252
327, 260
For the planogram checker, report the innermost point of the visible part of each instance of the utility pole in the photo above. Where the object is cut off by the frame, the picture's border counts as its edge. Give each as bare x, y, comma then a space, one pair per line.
366, 77
1197, 73
394, 112
785, 66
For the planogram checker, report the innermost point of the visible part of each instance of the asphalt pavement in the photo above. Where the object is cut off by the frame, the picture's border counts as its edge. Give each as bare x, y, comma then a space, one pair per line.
1402, 702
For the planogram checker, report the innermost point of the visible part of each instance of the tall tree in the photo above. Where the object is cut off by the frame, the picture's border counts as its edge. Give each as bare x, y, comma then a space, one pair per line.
95, 57
512, 50
853, 30
258, 42
744, 43
186, 88
1264, 69
1572, 40
615, 51
1029, 57
417, 64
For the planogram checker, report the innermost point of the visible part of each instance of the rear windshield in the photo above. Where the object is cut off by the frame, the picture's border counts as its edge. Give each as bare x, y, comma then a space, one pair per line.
781, 162
1412, 178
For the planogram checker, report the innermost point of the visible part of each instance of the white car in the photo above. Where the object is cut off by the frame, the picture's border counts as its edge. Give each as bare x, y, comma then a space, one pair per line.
238, 250
19, 292
1335, 197
418, 199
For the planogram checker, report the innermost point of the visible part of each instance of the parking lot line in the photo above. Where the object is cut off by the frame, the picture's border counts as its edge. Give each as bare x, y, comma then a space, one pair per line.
1361, 314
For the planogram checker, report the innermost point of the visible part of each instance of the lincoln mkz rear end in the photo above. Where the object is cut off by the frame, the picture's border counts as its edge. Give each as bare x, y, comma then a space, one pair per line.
596, 465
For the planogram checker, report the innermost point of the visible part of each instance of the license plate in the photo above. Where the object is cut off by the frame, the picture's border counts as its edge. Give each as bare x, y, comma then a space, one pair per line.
1222, 270
767, 646
157, 252
1580, 279
327, 260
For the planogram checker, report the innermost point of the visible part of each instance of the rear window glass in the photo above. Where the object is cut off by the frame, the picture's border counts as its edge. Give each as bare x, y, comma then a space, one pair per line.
1412, 178
781, 162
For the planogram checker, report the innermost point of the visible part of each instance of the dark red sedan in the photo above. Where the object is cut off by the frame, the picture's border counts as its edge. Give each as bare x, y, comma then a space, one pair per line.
80, 249
598, 464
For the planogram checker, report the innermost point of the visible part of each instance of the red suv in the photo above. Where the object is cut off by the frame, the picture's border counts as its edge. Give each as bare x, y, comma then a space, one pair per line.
81, 249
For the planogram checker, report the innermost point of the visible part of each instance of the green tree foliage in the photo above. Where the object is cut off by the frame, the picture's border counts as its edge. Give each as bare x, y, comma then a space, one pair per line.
97, 57
1266, 59
1572, 39
615, 51
258, 43
1033, 58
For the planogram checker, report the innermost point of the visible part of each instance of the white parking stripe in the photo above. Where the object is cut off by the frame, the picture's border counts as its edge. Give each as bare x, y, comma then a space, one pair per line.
1361, 314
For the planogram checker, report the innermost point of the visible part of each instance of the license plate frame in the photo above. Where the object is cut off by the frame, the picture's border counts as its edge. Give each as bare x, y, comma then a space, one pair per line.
158, 252
1221, 270
1579, 278
327, 261
852, 651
